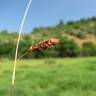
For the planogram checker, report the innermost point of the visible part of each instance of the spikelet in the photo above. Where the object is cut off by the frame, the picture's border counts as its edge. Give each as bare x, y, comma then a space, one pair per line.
44, 44
48, 43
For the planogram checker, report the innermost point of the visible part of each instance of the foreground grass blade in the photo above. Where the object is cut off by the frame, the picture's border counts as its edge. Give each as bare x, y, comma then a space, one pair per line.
16, 53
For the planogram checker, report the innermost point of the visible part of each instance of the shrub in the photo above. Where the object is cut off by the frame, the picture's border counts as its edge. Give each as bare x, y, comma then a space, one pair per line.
80, 34
89, 49
67, 48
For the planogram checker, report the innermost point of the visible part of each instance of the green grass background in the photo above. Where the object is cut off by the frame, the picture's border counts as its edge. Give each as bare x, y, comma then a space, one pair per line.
50, 77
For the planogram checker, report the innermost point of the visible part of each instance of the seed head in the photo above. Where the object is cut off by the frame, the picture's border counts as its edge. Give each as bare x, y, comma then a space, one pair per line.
47, 43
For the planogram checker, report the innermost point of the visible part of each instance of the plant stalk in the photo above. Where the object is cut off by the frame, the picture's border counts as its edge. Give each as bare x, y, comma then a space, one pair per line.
17, 46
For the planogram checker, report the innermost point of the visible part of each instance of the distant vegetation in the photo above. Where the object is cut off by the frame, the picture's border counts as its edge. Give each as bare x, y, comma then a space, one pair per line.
77, 38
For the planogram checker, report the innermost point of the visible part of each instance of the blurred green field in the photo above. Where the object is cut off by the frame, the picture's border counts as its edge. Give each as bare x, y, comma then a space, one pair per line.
50, 77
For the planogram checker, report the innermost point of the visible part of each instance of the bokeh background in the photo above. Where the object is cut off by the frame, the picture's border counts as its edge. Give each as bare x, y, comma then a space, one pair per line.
69, 68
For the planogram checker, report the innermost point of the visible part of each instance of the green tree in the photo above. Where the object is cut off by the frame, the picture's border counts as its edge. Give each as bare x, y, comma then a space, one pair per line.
89, 49
67, 48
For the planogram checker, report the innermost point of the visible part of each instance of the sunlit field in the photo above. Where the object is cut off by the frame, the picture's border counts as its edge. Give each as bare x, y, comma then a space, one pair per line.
50, 77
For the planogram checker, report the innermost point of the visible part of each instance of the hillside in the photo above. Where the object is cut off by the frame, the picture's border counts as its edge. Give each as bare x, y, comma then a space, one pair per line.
80, 31
77, 38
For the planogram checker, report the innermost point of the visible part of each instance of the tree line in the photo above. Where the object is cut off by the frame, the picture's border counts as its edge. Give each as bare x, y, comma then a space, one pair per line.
65, 48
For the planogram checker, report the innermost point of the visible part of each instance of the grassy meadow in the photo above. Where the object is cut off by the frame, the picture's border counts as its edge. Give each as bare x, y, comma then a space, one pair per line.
50, 77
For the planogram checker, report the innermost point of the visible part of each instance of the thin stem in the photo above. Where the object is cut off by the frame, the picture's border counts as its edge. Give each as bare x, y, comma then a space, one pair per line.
16, 53
23, 55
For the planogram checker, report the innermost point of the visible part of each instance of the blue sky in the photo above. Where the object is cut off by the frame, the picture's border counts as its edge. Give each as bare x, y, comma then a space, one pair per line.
43, 12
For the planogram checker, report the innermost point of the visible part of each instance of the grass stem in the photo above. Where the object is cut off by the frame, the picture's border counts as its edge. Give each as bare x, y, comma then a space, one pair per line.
17, 46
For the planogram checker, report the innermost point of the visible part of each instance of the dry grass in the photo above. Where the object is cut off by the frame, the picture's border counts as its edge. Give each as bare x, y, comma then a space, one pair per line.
89, 38
11, 91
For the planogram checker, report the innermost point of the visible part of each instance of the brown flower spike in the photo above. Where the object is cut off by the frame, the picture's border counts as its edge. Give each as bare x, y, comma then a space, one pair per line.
44, 44
47, 43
